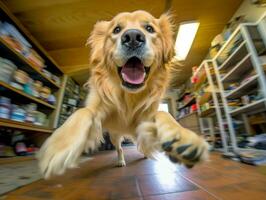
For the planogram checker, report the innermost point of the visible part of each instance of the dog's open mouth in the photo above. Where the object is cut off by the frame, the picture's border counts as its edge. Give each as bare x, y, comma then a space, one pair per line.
133, 73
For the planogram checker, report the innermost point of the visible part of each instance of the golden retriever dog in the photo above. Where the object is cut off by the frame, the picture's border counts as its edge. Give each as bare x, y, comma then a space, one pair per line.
129, 76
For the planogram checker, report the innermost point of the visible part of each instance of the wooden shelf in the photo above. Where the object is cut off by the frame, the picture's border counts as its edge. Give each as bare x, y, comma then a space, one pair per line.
16, 159
24, 126
41, 75
201, 80
182, 95
204, 98
207, 112
186, 115
34, 99
188, 103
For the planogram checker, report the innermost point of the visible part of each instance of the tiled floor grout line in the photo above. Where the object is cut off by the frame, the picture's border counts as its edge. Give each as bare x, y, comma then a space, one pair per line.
138, 187
201, 187
164, 193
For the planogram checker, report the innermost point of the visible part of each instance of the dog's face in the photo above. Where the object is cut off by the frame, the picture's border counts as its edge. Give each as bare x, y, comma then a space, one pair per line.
132, 46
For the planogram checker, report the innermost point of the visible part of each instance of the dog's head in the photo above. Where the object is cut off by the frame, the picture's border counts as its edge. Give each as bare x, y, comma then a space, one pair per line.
132, 46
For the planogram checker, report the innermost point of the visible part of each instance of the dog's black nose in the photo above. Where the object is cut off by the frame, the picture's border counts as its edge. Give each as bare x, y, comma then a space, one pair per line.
133, 38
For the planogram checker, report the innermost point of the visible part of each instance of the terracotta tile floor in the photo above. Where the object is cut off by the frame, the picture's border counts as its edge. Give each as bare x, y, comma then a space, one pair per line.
145, 179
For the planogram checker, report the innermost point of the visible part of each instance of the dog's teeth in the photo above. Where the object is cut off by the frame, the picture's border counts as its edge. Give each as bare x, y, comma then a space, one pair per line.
123, 76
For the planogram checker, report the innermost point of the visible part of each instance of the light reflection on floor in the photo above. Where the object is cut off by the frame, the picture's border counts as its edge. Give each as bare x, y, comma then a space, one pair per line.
164, 169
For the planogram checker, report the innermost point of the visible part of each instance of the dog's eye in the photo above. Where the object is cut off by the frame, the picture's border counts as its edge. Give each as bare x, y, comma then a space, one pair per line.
149, 28
117, 29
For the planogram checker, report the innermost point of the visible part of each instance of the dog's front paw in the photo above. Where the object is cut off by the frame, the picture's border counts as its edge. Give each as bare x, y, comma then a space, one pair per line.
58, 154
121, 163
187, 148
63, 148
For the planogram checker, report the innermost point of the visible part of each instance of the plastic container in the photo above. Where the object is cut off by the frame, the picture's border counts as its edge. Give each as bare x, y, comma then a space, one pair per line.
5, 107
7, 68
18, 114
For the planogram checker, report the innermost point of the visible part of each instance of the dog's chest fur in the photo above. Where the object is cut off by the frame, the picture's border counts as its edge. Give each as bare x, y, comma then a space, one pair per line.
129, 113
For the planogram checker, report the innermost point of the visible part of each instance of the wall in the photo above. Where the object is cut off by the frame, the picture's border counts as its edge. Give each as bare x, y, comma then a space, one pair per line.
251, 11
172, 96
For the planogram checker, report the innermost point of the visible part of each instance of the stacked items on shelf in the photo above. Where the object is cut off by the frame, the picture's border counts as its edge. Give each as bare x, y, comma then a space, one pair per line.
204, 99
186, 105
21, 77
257, 123
13, 78
187, 109
15, 143
73, 97
199, 78
221, 38
21, 113
240, 70
13, 39
202, 89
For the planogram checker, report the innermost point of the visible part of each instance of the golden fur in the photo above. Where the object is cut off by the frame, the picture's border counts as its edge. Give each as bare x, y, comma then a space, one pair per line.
121, 111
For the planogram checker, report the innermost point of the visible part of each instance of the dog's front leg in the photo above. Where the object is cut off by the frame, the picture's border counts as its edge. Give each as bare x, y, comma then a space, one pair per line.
116, 141
179, 143
62, 149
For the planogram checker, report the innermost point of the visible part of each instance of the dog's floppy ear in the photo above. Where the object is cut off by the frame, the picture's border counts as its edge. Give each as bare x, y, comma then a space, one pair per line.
97, 40
167, 27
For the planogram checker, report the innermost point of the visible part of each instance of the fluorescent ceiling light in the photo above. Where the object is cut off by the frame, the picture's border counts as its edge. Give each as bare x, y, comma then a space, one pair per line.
184, 39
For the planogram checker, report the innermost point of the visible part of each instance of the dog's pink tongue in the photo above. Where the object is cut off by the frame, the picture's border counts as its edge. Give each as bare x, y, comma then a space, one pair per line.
133, 75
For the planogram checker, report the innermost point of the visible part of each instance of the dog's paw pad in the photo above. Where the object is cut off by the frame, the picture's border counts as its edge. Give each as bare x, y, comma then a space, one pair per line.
189, 166
173, 159
182, 148
191, 155
167, 146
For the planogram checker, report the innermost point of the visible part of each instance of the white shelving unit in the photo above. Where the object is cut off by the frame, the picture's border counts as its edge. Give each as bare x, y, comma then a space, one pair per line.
206, 83
242, 62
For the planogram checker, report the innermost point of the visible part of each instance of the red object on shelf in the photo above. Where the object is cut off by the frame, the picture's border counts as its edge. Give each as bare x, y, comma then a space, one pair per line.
193, 107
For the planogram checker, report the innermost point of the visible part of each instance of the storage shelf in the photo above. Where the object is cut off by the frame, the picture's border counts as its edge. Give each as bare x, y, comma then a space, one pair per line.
224, 49
238, 70
34, 99
236, 55
31, 68
242, 89
186, 115
188, 103
24, 126
15, 159
207, 112
204, 98
201, 81
182, 95
249, 108
238, 59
